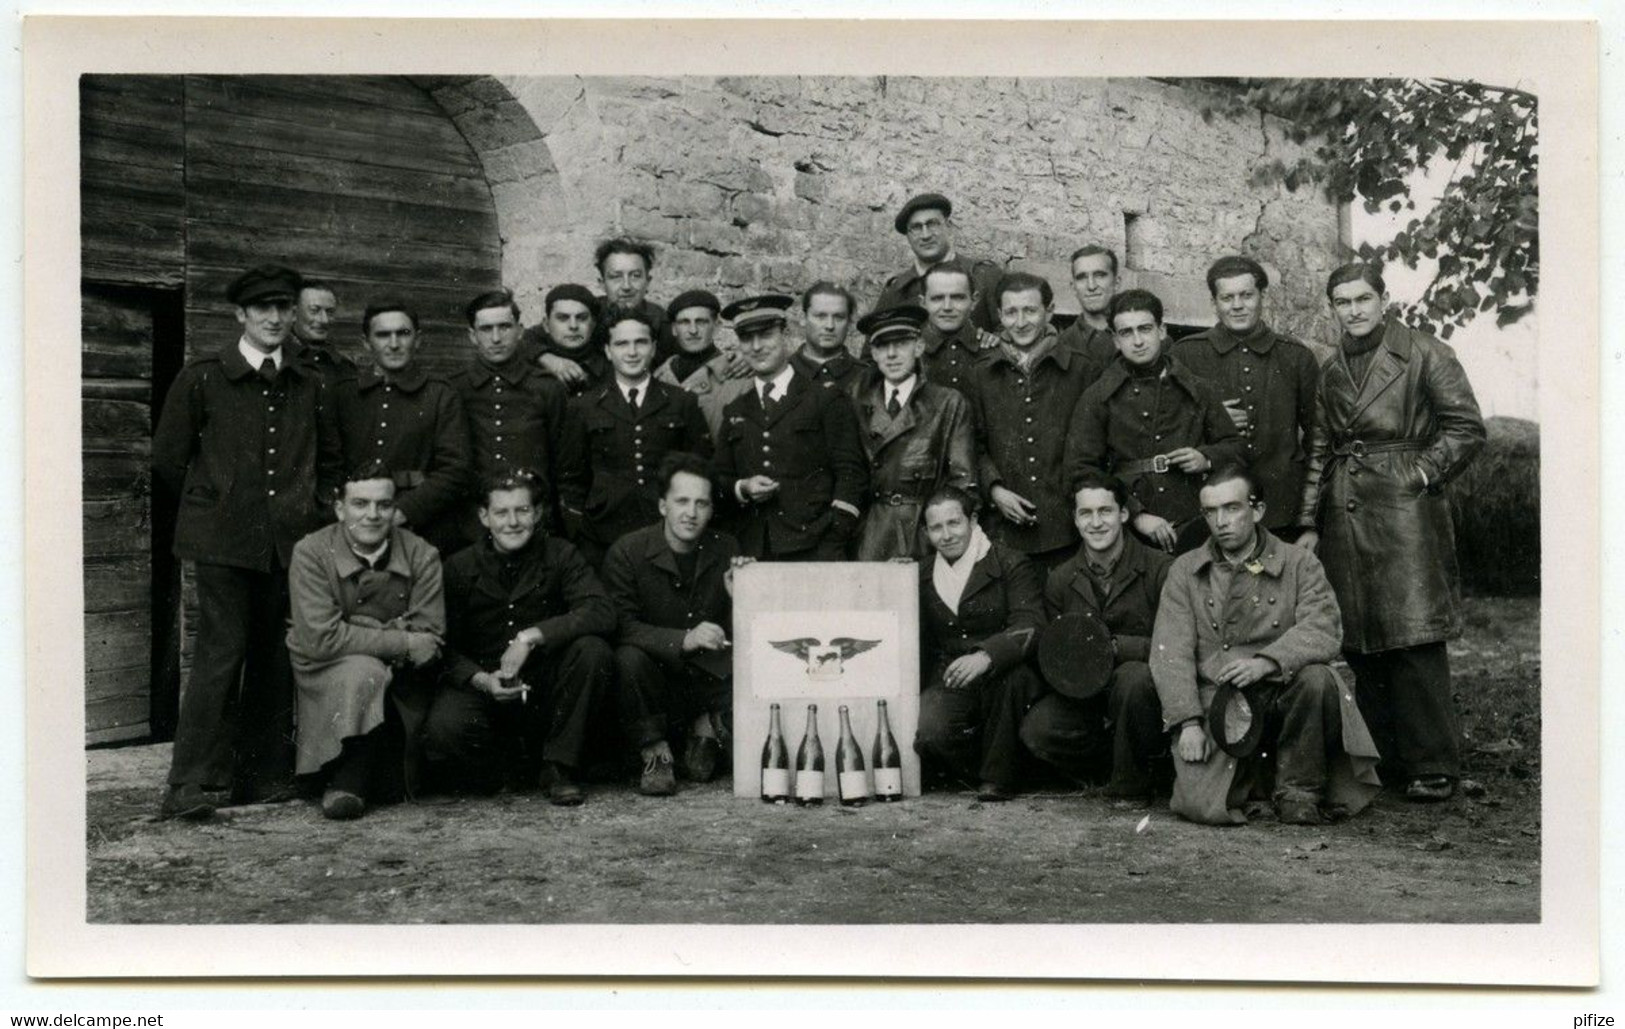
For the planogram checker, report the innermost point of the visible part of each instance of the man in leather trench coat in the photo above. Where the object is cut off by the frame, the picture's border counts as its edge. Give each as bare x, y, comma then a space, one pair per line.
1395, 421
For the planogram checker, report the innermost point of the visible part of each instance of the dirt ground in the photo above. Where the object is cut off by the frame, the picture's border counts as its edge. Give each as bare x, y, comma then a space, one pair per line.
705, 857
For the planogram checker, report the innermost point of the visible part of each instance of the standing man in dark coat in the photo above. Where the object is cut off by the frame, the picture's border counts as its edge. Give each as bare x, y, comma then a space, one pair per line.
827, 311
1266, 381
410, 422
628, 425
926, 222
1021, 400
916, 435
567, 345
1114, 580
1396, 420
239, 441
672, 587
313, 314
1094, 280
517, 414
789, 454
953, 343
980, 612
1153, 424
525, 652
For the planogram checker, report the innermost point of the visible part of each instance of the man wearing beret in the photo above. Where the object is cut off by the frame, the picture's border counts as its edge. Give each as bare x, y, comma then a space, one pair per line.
697, 365
788, 456
411, 422
563, 344
313, 314
1094, 280
916, 435
826, 314
926, 223
953, 344
239, 441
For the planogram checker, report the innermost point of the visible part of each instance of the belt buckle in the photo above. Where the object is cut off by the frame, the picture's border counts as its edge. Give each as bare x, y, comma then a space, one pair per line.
1357, 448
1159, 464
895, 500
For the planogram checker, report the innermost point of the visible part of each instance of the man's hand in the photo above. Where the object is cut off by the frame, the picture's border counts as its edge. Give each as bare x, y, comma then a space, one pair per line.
1243, 420
739, 561
421, 648
966, 670
514, 658
758, 488
1015, 507
562, 369
1189, 459
1156, 529
705, 636
737, 367
1244, 671
1194, 745
1309, 540
497, 689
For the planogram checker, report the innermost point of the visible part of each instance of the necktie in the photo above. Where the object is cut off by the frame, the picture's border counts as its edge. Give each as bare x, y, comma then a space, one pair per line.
268, 370
632, 397
893, 405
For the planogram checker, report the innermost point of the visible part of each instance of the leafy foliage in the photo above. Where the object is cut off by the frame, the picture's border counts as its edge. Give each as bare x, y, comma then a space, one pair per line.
1371, 137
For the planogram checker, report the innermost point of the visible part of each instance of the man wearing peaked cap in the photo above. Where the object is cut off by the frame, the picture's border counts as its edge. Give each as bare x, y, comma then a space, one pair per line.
916, 435
238, 442
697, 365
788, 455
926, 221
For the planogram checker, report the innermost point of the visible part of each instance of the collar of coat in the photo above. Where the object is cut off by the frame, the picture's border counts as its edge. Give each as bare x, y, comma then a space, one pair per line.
532, 560
1271, 553
984, 573
513, 372
1130, 565
969, 337
409, 381
293, 360
658, 553
346, 562
1117, 373
1260, 341
1062, 356
835, 367
610, 399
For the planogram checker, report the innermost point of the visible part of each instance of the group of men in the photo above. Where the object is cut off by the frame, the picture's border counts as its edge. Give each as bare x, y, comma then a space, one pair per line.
403, 576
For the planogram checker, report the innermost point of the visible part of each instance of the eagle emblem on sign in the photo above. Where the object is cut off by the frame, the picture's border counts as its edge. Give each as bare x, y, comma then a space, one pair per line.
824, 661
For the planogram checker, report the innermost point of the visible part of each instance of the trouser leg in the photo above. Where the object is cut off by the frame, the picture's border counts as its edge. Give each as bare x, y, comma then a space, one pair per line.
574, 684
1427, 727
1310, 725
265, 729
1069, 735
1005, 702
356, 769
460, 734
1136, 727
641, 696
948, 732
1371, 695
206, 722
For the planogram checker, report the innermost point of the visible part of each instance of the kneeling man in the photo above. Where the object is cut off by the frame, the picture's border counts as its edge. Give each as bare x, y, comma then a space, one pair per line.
1251, 613
525, 650
368, 616
671, 586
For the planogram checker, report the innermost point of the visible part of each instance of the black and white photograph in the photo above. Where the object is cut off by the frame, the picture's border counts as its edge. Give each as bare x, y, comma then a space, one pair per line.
881, 498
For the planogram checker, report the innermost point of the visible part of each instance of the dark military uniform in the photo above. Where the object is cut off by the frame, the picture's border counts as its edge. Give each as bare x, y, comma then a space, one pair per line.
1275, 378
927, 445
840, 373
1122, 724
414, 424
329, 362
517, 418
590, 357
809, 443
948, 359
1095, 346
1021, 420
904, 288
1127, 418
619, 489
660, 595
490, 598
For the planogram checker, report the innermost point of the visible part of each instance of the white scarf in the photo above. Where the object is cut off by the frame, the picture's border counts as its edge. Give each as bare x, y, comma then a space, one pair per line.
949, 577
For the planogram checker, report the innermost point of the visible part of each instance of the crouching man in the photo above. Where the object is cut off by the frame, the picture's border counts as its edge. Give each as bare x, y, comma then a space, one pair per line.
1246, 612
368, 618
671, 584
526, 662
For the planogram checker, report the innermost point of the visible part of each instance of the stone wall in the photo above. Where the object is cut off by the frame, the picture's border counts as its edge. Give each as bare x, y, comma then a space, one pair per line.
752, 183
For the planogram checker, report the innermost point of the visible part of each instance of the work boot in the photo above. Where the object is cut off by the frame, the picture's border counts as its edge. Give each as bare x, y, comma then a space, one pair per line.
562, 789
342, 805
1297, 811
658, 779
700, 755
186, 800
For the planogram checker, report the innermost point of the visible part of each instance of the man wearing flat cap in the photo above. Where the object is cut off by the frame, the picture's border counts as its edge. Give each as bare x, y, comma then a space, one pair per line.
238, 440
916, 435
563, 344
698, 367
788, 456
926, 222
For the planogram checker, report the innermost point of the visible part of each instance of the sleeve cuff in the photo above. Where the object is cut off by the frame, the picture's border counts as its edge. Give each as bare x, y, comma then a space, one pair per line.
841, 505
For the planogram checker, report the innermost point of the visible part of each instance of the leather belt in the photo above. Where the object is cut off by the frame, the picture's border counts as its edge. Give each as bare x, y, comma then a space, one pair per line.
1156, 465
898, 499
1360, 448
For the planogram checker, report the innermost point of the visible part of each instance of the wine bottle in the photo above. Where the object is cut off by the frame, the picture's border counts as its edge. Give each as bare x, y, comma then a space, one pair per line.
775, 761
888, 760
810, 763
850, 777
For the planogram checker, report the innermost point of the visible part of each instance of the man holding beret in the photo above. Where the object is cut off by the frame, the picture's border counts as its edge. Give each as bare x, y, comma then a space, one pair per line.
925, 222
788, 455
238, 440
698, 366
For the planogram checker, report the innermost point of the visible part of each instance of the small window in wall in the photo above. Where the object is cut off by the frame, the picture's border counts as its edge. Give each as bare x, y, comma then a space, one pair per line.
1133, 239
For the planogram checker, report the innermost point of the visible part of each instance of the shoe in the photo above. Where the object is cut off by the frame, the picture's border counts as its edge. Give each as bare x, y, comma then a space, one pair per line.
342, 805
658, 779
994, 793
562, 790
1298, 812
1430, 789
700, 756
188, 801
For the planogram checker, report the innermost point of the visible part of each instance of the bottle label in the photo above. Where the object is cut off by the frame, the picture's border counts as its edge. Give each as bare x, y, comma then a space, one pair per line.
889, 782
775, 782
809, 784
854, 784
